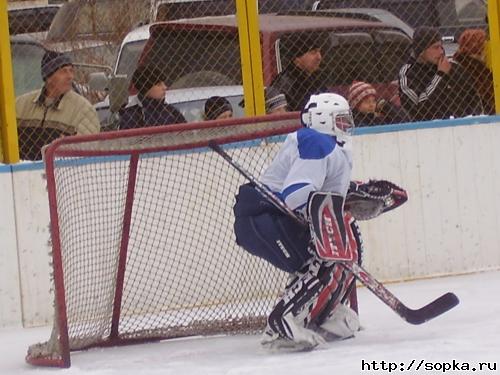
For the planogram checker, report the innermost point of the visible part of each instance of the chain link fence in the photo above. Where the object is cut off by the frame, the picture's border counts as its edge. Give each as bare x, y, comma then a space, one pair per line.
146, 62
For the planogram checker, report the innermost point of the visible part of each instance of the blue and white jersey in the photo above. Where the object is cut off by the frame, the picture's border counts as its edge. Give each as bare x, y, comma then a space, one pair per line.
308, 161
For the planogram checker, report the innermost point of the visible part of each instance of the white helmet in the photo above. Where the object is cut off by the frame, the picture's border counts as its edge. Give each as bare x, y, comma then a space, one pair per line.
329, 114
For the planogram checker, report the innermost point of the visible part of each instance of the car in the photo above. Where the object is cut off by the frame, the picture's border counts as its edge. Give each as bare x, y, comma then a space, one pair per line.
450, 16
355, 49
26, 55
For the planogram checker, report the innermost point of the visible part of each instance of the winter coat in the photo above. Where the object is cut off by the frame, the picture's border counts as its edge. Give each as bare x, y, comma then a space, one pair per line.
298, 86
149, 112
428, 94
39, 124
483, 80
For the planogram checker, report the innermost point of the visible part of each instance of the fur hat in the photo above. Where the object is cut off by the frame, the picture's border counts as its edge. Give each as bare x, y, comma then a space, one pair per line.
358, 92
215, 106
52, 61
274, 100
423, 38
146, 76
471, 42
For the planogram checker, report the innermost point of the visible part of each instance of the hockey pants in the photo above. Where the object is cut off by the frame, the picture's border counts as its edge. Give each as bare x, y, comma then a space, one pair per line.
264, 231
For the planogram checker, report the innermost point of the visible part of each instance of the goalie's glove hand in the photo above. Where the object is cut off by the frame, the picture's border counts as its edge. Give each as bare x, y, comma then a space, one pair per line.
368, 200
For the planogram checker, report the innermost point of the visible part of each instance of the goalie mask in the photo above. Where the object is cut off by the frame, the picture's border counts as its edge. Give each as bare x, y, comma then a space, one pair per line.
329, 114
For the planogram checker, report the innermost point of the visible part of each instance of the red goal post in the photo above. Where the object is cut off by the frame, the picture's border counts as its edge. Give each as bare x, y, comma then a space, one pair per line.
142, 240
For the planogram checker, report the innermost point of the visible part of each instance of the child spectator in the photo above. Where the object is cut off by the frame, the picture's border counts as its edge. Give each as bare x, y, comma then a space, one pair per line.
150, 108
218, 108
275, 101
368, 110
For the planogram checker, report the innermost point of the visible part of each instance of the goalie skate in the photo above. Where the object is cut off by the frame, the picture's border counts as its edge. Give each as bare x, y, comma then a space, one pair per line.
304, 339
342, 324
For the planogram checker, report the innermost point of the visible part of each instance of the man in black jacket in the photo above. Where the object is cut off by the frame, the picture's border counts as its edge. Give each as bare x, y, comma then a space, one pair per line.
301, 53
433, 87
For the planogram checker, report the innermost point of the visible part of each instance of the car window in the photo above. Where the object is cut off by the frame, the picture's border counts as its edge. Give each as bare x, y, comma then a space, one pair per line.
129, 56
193, 110
26, 60
31, 20
471, 11
205, 58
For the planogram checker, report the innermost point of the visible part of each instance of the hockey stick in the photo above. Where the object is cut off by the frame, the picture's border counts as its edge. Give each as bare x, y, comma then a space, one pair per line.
417, 316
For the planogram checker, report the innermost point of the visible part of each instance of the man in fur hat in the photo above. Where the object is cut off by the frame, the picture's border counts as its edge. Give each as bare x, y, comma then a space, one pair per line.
433, 87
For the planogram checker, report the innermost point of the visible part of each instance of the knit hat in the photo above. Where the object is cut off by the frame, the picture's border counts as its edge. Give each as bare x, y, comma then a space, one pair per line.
423, 38
472, 41
52, 61
358, 92
297, 44
146, 76
274, 100
215, 106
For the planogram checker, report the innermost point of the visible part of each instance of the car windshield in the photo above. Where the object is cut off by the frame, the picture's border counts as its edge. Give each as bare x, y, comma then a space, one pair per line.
26, 60
129, 56
205, 59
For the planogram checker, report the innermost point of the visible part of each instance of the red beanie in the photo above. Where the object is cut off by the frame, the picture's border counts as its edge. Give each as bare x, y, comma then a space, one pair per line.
359, 91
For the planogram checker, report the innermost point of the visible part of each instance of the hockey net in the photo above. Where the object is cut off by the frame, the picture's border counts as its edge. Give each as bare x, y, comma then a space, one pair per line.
142, 240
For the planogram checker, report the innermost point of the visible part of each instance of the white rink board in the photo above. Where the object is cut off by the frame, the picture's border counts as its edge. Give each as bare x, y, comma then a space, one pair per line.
10, 295
449, 225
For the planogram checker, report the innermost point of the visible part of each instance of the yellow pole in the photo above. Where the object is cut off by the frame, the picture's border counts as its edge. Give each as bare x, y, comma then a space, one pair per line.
494, 47
251, 57
9, 142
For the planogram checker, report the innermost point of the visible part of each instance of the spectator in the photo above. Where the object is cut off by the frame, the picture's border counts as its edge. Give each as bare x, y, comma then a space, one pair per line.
54, 110
471, 56
368, 109
218, 108
300, 78
433, 87
275, 101
150, 107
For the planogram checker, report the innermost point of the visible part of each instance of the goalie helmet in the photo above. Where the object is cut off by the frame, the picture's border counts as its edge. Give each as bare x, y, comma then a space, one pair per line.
329, 114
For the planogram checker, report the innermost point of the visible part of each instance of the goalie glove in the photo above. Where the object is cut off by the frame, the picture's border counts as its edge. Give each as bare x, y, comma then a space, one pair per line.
368, 200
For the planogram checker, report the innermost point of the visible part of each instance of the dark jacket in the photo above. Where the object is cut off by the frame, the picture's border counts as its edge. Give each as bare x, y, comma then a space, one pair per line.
298, 86
428, 94
389, 114
483, 80
149, 112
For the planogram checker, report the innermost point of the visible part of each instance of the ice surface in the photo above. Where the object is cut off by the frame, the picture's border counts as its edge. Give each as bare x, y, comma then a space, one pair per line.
468, 333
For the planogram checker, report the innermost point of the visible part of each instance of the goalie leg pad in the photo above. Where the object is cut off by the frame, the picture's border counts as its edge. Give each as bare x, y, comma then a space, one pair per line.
287, 322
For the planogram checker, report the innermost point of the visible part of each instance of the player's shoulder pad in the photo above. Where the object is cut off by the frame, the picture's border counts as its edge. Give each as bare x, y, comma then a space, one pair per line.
314, 145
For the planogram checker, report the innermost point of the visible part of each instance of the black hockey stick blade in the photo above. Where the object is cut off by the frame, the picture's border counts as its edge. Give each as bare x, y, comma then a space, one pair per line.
435, 308
430, 311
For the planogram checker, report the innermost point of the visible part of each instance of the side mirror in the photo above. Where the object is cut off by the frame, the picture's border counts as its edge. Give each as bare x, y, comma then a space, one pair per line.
98, 81
118, 92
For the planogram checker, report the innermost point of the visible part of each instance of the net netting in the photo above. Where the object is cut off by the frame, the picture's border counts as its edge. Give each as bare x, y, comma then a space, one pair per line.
142, 236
